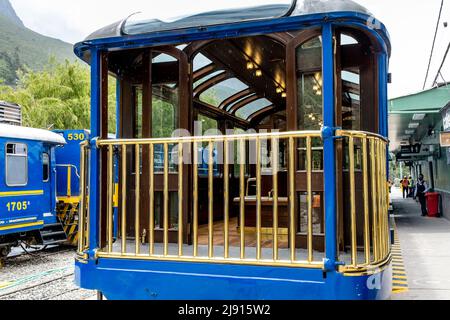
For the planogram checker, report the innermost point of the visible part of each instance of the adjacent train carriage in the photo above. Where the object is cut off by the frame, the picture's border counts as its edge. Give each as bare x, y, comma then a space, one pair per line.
27, 187
288, 202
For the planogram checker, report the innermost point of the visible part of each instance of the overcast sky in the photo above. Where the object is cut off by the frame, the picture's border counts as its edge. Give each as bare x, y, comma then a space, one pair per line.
411, 24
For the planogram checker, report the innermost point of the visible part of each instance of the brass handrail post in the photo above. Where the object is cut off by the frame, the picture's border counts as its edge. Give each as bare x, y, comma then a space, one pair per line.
366, 202
374, 175
166, 200
110, 182
180, 199
210, 200
124, 199
226, 177
81, 222
310, 209
258, 199
138, 198
354, 238
292, 197
275, 151
195, 199
242, 195
152, 201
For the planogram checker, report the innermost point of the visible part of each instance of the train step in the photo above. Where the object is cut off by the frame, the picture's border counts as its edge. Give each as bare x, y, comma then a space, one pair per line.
53, 234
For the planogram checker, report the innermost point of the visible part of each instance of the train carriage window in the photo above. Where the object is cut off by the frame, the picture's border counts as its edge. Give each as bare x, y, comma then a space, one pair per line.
16, 164
45, 167
310, 98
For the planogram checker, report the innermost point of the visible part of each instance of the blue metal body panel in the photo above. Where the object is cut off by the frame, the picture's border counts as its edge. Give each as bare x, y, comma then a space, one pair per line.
27, 208
139, 279
69, 155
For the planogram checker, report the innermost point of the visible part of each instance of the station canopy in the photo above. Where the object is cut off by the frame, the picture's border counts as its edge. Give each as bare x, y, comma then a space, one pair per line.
411, 116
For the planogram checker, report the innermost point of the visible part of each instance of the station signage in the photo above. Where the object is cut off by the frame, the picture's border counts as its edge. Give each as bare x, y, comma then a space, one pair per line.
412, 149
445, 136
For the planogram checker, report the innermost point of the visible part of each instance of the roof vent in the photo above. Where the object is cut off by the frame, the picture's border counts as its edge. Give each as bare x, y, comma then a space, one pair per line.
10, 113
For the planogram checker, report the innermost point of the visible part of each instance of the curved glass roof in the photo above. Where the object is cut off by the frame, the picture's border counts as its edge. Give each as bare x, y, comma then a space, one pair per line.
142, 23
222, 91
251, 108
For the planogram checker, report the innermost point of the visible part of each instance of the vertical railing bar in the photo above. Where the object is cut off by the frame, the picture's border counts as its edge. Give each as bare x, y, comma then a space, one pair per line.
152, 200
275, 152
180, 199
210, 200
353, 202
373, 178
366, 201
138, 198
379, 203
386, 198
81, 226
242, 196
292, 193
310, 209
381, 195
110, 181
258, 199
124, 199
166, 200
226, 177
195, 199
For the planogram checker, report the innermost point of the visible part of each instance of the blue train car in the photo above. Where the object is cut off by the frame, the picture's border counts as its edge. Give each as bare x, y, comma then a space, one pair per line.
27, 187
68, 164
306, 85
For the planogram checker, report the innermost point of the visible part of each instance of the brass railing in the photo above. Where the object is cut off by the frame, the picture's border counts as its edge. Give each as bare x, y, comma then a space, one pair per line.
376, 229
83, 215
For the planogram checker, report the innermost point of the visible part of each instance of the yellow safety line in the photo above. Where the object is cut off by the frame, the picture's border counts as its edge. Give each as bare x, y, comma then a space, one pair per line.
25, 225
22, 193
399, 277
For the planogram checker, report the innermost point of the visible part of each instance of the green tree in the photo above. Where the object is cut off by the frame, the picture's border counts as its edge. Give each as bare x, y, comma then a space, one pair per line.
58, 97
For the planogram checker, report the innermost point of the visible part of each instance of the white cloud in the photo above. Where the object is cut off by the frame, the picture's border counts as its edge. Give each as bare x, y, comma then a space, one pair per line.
411, 24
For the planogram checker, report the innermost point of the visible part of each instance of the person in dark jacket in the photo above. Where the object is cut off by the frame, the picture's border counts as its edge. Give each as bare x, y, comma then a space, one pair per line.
420, 193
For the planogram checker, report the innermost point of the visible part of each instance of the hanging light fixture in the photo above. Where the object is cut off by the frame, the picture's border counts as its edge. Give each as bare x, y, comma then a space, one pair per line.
250, 65
258, 73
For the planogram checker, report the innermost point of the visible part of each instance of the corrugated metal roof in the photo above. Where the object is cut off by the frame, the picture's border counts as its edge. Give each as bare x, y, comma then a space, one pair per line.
432, 100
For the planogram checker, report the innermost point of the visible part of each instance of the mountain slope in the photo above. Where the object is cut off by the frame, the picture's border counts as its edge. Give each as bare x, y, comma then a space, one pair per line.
21, 47
7, 10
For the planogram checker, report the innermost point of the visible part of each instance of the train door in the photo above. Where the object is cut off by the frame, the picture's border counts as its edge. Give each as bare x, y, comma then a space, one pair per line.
304, 78
356, 109
154, 106
48, 186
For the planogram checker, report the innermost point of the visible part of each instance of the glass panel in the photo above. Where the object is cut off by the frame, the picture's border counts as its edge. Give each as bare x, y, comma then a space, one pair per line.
318, 213
206, 78
162, 57
173, 210
310, 99
208, 127
222, 91
205, 14
348, 40
16, 165
45, 167
351, 101
200, 61
246, 111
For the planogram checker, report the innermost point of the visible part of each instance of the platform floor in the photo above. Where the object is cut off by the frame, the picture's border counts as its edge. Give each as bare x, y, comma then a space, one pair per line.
425, 247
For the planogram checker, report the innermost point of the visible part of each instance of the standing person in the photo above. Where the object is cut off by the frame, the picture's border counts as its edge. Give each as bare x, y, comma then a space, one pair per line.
405, 187
411, 188
421, 190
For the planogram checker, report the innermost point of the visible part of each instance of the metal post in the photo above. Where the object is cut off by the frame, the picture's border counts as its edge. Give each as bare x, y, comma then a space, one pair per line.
94, 181
329, 148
